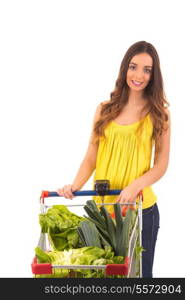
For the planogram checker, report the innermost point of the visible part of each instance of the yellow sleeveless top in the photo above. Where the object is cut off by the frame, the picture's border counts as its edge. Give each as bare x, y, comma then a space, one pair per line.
123, 156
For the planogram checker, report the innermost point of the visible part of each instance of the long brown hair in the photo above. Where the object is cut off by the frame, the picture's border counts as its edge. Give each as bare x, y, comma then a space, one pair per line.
154, 93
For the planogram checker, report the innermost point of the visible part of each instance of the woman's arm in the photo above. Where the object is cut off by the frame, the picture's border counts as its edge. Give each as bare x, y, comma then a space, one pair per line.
160, 166
86, 168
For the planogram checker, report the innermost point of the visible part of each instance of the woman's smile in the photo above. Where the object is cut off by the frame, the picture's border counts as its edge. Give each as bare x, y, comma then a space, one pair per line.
137, 83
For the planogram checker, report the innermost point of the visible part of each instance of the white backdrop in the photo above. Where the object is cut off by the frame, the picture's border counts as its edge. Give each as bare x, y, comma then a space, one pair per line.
58, 61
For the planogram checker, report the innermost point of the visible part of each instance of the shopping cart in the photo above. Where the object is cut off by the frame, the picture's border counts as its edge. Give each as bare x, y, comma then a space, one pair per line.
132, 264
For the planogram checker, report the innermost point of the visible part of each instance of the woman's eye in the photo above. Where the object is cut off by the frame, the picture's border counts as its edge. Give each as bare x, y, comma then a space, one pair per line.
131, 67
147, 70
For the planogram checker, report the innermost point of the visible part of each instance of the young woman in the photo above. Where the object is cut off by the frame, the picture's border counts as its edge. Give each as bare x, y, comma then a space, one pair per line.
126, 129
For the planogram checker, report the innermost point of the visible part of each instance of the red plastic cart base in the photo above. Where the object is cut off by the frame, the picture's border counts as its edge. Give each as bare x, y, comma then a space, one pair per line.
111, 269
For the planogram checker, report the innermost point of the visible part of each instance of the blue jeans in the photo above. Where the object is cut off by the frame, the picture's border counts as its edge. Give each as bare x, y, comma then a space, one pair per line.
149, 237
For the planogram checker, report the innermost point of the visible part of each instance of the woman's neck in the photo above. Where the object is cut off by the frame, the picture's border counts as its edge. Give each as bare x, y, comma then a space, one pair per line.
136, 99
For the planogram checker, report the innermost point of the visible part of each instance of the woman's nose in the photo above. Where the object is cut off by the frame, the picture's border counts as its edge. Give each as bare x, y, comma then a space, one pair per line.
139, 76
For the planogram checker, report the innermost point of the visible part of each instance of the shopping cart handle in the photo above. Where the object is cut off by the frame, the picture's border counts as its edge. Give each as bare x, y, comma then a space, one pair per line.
46, 194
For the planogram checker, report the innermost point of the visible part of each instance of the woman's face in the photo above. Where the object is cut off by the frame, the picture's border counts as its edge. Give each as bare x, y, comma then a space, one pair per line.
139, 71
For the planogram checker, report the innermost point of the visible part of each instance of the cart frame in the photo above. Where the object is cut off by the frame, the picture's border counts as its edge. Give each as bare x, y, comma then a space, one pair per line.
124, 269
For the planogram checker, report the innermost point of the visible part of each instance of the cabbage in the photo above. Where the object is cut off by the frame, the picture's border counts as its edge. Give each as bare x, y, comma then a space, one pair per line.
81, 256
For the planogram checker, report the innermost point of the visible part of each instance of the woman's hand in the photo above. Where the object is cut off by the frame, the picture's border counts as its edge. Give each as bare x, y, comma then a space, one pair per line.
128, 195
66, 191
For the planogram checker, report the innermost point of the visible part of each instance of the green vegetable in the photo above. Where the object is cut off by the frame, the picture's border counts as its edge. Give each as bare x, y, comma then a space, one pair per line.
120, 247
89, 234
117, 234
127, 229
61, 226
111, 228
81, 256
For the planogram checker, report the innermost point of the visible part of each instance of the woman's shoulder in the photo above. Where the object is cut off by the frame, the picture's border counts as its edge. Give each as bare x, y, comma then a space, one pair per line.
99, 109
104, 102
168, 120
100, 105
167, 111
